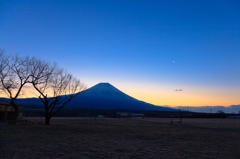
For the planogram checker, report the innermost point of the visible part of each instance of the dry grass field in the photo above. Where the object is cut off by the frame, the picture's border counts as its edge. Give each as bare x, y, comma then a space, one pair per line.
87, 138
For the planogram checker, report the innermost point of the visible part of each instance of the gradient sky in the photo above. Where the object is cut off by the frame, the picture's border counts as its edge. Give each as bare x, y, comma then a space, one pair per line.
146, 48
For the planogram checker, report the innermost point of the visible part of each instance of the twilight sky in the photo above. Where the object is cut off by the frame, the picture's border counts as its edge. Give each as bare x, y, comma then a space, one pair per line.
146, 48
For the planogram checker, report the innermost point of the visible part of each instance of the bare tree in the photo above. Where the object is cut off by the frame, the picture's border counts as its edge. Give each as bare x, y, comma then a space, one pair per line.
14, 75
3, 65
61, 87
3, 62
16, 72
47, 78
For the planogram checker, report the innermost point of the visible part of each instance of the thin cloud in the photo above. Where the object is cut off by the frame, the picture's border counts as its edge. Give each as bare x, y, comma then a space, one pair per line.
179, 90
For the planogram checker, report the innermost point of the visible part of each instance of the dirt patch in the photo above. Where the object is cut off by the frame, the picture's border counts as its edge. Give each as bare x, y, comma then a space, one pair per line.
122, 138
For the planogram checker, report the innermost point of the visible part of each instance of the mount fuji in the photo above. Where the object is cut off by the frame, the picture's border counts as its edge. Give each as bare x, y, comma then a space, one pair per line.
100, 96
106, 96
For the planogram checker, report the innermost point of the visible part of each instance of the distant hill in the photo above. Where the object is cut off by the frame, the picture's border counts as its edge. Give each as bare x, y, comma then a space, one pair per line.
100, 96
213, 109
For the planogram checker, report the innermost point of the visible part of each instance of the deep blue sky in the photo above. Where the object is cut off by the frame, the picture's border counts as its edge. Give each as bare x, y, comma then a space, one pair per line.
145, 48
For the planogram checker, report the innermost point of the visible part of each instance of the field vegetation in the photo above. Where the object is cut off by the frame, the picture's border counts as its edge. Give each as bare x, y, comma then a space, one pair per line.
92, 138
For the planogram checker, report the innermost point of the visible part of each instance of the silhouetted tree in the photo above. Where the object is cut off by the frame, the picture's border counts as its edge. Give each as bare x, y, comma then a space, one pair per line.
14, 74
180, 116
47, 78
3, 64
56, 88
220, 112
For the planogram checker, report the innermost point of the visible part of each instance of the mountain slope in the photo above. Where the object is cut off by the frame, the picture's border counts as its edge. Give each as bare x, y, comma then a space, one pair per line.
101, 96
106, 96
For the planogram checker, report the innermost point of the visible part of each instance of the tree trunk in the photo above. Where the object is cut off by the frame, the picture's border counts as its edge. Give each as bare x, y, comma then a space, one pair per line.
47, 120
47, 116
16, 110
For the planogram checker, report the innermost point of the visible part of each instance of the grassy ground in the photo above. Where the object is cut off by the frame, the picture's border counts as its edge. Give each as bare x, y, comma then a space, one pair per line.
122, 138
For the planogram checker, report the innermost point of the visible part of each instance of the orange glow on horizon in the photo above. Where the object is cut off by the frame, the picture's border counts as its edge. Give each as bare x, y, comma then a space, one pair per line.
165, 96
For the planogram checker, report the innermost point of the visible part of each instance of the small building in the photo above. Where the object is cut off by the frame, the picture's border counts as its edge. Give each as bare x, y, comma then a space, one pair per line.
7, 112
130, 114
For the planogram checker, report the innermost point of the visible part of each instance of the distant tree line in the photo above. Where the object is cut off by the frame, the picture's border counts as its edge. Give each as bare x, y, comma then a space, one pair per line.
55, 86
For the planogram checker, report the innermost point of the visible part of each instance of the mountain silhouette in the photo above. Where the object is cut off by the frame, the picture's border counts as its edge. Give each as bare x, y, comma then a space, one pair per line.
100, 96
106, 96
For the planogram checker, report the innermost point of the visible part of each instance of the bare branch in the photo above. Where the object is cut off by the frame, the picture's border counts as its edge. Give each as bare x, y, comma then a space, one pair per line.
56, 87
14, 74
48, 78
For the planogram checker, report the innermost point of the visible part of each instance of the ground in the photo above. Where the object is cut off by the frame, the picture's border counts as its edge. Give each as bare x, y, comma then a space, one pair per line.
87, 138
